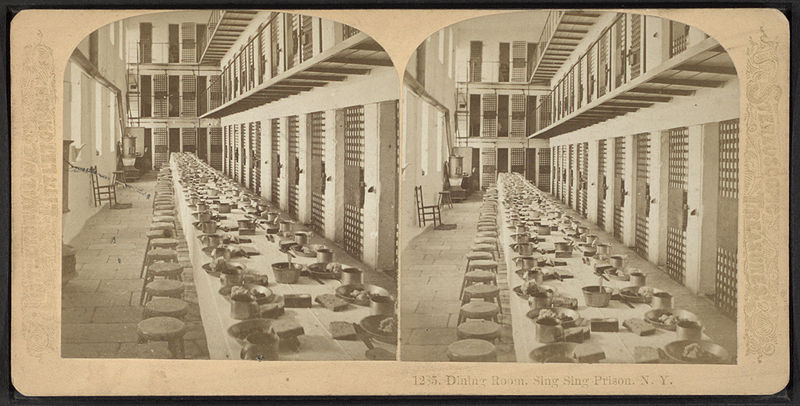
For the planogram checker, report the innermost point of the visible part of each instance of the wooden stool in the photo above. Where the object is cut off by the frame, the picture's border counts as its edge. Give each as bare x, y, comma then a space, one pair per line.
479, 276
163, 243
489, 293
163, 212
484, 248
478, 329
492, 234
163, 288
487, 240
487, 227
165, 307
167, 227
445, 199
155, 234
475, 256
479, 310
158, 254
166, 270
167, 329
472, 350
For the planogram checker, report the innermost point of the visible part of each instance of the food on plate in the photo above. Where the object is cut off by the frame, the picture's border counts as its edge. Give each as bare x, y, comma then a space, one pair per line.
552, 314
667, 319
359, 295
531, 288
333, 267
388, 325
240, 293
696, 353
645, 292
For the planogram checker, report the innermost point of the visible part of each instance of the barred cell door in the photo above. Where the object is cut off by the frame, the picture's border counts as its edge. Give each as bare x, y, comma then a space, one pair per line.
294, 164
571, 175
160, 147
518, 160
489, 103
725, 295
642, 193
275, 161
215, 133
316, 124
602, 185
189, 139
225, 144
619, 185
244, 144
635, 59
583, 171
489, 166
563, 177
354, 180
676, 203
544, 169
554, 172
256, 161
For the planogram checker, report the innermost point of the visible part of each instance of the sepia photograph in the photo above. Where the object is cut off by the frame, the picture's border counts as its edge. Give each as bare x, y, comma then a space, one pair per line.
229, 190
576, 183
410, 202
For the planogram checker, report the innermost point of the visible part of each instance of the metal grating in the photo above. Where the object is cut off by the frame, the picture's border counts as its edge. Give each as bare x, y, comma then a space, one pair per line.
189, 139
636, 41
619, 173
725, 293
354, 156
676, 253
489, 103
602, 159
348, 31
489, 166
518, 115
729, 159
248, 155
215, 156
583, 162
678, 157
275, 143
257, 158
571, 175
160, 147
306, 38
317, 128
294, 149
563, 167
189, 49
518, 160
544, 169
604, 70
225, 147
189, 99
620, 47
554, 171
591, 74
160, 102
642, 173
519, 50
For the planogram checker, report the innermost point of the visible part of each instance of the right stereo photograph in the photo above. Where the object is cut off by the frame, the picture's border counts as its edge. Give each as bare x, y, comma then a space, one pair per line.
569, 192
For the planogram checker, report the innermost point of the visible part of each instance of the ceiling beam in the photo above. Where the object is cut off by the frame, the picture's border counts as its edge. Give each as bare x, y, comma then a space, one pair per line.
670, 92
368, 46
655, 99
360, 61
330, 78
344, 71
688, 82
622, 103
720, 70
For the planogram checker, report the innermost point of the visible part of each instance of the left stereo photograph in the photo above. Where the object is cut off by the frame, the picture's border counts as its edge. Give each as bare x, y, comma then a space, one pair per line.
229, 190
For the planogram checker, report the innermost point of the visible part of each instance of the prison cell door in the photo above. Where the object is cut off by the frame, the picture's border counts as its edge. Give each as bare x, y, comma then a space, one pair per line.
248, 154
160, 147
354, 180
275, 161
676, 203
225, 148
725, 295
189, 139
202, 144
489, 166
502, 160
256, 161
642, 193
215, 154
583, 173
619, 186
294, 164
518, 160
571, 175
602, 185
544, 169
316, 124
530, 165
634, 58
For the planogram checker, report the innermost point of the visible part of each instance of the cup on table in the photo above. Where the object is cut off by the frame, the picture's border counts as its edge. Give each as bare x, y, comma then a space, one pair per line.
352, 276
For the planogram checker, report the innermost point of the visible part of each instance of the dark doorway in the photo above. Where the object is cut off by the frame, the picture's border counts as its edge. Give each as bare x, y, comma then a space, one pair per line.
474, 115
174, 49
530, 164
502, 160
503, 72
174, 140
202, 95
201, 144
174, 95
502, 115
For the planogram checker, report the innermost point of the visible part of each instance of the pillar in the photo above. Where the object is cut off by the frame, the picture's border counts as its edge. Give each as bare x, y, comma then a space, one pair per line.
660, 174
629, 176
701, 199
334, 168
611, 153
593, 183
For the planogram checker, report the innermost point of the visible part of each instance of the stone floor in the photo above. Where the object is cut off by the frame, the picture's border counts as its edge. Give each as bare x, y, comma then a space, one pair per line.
433, 269
100, 303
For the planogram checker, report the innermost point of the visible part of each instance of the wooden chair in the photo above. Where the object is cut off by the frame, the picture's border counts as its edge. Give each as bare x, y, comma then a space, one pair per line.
103, 192
425, 213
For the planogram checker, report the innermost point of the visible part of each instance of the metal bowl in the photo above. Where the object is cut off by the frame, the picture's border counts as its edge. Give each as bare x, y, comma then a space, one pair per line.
653, 315
555, 353
242, 329
716, 354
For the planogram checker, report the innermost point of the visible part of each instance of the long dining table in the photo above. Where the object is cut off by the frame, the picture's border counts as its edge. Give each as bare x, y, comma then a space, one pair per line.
317, 342
618, 347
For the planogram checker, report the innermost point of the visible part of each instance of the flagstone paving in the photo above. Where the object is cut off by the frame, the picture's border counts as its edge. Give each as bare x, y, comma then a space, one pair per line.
100, 303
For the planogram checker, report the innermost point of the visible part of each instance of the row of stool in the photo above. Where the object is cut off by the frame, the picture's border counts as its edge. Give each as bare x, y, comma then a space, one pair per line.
162, 286
479, 317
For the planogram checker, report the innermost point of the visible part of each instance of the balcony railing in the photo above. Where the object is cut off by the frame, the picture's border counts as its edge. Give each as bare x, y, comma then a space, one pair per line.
160, 53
